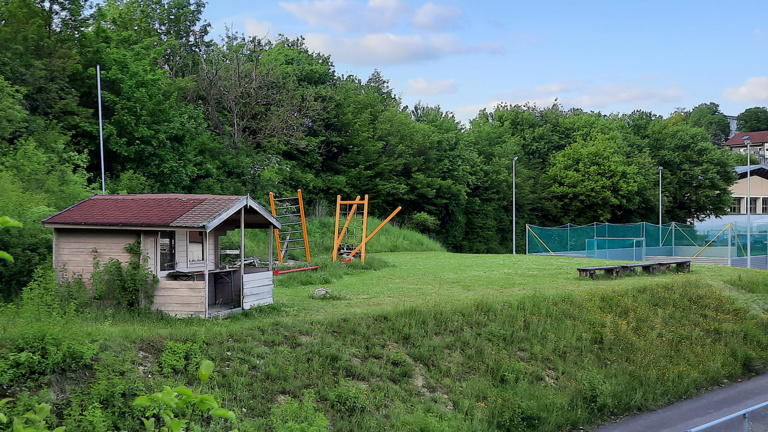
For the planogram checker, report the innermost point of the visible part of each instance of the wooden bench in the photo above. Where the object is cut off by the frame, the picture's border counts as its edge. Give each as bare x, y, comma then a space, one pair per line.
650, 268
590, 271
680, 265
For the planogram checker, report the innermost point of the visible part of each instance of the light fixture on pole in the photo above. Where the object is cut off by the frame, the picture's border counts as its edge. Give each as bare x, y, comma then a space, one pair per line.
514, 207
749, 202
660, 221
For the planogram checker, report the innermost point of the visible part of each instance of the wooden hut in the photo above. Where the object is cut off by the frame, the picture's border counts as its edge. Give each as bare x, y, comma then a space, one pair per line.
179, 236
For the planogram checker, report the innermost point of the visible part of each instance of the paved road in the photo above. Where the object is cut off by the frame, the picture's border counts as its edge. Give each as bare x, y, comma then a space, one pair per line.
703, 409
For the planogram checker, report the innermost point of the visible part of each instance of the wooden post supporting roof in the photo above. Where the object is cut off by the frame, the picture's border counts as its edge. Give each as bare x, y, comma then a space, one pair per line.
242, 256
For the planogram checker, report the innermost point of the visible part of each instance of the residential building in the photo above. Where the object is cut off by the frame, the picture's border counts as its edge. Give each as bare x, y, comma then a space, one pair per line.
758, 143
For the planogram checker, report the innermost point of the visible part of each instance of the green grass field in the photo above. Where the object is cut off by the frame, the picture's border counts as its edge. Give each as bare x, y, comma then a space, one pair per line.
426, 341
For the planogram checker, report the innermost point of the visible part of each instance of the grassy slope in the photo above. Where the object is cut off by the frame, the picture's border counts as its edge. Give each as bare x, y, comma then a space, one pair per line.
432, 341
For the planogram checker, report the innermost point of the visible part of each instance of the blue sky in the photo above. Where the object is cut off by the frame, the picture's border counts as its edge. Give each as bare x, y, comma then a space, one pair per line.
609, 56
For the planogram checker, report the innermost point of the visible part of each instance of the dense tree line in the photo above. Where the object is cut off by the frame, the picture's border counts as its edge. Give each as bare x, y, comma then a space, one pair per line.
186, 113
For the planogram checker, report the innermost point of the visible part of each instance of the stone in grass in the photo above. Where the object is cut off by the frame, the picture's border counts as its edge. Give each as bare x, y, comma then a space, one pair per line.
322, 292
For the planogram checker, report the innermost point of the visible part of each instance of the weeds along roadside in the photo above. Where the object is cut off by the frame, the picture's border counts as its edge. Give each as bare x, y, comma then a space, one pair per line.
538, 362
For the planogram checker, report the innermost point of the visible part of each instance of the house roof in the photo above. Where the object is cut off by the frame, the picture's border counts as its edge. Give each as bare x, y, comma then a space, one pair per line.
161, 210
755, 170
758, 137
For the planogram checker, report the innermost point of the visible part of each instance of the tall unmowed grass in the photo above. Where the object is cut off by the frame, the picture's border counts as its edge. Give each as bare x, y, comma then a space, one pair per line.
547, 360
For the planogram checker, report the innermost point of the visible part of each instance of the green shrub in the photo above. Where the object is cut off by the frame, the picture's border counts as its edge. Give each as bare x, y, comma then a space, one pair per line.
350, 398
176, 408
298, 416
423, 222
40, 351
178, 355
32, 421
130, 286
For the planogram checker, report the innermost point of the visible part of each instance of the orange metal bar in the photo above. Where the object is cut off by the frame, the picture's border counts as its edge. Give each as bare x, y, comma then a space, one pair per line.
335, 252
277, 272
357, 249
365, 228
304, 226
350, 215
277, 232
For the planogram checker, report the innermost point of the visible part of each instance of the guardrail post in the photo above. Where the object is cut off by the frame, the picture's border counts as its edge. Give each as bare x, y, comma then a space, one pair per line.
746, 422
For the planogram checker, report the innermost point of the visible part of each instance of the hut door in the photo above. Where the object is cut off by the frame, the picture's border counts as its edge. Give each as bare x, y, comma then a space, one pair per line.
152, 252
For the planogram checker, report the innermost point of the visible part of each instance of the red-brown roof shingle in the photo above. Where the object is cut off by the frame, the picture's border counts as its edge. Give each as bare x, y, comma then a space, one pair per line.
145, 210
758, 137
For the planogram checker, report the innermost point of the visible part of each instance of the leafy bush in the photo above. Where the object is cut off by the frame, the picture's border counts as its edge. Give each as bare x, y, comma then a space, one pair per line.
298, 416
423, 222
177, 406
5, 221
350, 397
130, 286
177, 355
33, 421
41, 351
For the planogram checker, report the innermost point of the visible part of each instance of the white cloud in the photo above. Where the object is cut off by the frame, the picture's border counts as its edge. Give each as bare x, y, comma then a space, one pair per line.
386, 48
373, 16
376, 49
600, 95
623, 93
754, 89
420, 86
435, 18
339, 15
558, 87
349, 16
385, 14
254, 27
469, 112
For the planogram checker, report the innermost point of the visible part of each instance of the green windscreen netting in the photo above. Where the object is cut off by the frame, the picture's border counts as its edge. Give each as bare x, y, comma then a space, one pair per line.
574, 239
718, 243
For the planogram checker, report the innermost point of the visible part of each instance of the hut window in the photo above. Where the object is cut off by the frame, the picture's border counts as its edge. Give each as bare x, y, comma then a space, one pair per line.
195, 250
167, 250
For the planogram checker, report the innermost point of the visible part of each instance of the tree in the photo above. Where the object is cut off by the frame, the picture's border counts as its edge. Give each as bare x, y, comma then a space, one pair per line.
708, 117
598, 180
698, 175
752, 119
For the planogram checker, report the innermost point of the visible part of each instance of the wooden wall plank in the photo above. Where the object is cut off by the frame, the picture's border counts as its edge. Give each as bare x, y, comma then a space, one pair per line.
74, 249
258, 284
249, 305
253, 277
258, 289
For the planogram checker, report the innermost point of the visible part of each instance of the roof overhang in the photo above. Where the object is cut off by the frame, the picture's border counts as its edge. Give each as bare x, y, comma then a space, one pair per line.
755, 170
263, 218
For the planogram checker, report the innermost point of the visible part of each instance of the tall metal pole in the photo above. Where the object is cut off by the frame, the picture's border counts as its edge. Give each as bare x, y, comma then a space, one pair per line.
101, 129
514, 207
749, 202
661, 242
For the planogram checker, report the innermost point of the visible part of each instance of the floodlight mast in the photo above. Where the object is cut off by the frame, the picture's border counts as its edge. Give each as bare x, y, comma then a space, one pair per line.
749, 202
101, 128
514, 207
660, 221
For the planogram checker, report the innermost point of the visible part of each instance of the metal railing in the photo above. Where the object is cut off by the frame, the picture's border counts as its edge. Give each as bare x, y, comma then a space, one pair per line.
742, 413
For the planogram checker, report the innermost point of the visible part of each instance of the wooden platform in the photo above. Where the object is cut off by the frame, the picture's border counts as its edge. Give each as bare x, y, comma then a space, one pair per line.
648, 267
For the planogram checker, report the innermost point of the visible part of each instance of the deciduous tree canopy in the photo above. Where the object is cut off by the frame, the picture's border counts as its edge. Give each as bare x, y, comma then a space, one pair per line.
752, 119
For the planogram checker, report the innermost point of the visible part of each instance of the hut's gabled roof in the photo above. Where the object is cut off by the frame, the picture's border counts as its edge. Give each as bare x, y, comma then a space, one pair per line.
161, 210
